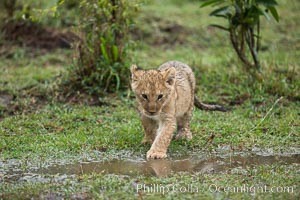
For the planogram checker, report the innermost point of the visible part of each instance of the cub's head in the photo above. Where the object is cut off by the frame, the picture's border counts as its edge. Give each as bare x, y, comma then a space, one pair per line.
152, 88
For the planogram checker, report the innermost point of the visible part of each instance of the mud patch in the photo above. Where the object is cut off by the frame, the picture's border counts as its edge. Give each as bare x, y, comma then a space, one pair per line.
5, 104
36, 36
5, 99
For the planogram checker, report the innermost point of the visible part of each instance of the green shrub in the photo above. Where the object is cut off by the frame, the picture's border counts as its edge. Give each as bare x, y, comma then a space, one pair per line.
102, 63
243, 18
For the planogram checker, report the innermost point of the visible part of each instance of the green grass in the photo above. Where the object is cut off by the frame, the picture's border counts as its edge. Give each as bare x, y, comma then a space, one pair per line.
66, 129
38, 130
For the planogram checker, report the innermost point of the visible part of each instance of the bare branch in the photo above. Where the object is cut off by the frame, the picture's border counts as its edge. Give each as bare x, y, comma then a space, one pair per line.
241, 55
249, 40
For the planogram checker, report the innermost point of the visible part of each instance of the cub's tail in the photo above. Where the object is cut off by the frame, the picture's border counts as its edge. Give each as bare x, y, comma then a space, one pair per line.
210, 107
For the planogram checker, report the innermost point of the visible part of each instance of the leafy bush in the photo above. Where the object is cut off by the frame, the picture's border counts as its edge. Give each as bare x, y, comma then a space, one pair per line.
243, 18
102, 52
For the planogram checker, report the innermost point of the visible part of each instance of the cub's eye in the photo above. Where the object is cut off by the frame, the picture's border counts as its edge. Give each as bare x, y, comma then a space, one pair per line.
145, 96
159, 97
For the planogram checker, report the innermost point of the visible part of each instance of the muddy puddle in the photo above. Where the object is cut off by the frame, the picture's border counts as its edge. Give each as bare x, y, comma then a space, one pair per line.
164, 167
133, 166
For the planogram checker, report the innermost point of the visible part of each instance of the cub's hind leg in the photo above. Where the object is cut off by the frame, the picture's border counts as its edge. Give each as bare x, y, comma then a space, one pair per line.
183, 126
150, 128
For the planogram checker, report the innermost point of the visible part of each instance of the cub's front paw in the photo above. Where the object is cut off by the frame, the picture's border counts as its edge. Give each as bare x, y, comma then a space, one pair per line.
156, 154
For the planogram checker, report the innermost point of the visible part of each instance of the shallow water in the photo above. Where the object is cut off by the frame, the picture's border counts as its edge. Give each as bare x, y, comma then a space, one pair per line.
164, 167
132, 166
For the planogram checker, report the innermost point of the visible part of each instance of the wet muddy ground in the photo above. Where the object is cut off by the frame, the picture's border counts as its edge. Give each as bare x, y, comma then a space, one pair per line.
230, 163
165, 167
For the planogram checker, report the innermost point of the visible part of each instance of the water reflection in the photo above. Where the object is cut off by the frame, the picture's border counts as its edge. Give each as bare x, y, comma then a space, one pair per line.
165, 167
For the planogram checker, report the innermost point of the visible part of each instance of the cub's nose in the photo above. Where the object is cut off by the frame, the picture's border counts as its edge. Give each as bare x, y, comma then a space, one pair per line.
152, 113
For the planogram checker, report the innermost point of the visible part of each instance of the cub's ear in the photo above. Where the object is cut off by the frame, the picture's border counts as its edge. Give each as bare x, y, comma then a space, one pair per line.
133, 70
169, 75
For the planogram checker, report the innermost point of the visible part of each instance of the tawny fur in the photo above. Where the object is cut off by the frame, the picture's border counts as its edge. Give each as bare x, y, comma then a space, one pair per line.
165, 99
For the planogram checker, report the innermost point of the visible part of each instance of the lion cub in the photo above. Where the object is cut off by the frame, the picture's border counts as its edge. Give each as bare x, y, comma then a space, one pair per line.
165, 98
